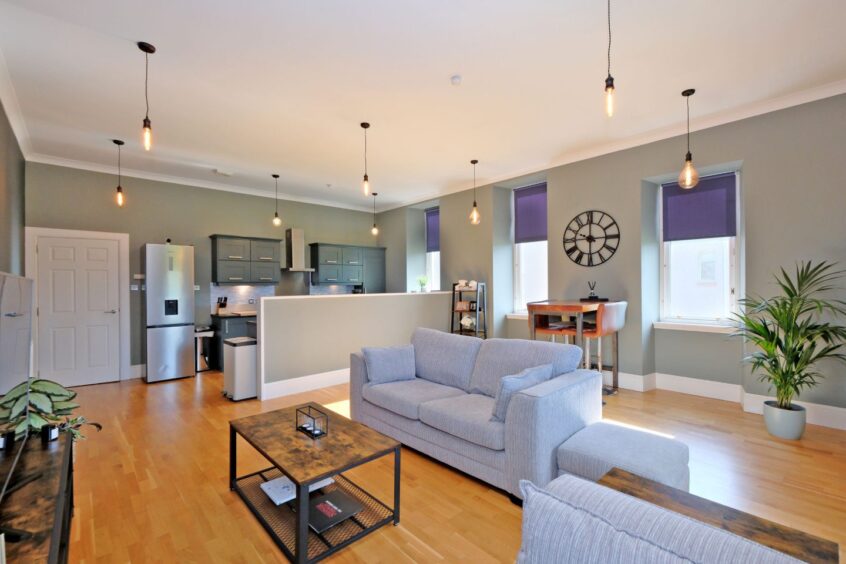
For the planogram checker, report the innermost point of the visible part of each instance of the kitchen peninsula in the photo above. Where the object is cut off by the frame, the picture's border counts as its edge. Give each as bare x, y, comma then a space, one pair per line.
304, 342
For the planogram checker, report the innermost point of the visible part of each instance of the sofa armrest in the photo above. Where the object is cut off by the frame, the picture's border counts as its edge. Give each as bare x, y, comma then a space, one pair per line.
542, 417
358, 378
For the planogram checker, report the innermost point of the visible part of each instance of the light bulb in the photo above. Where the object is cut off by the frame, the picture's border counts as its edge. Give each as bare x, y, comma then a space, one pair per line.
688, 178
609, 95
374, 230
277, 221
365, 185
119, 199
475, 216
147, 135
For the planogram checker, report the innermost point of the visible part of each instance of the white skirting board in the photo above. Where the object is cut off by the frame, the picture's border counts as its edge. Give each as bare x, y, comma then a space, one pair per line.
137, 371
818, 414
303, 384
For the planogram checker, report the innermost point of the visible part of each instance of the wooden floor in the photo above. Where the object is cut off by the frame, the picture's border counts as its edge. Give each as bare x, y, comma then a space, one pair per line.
152, 486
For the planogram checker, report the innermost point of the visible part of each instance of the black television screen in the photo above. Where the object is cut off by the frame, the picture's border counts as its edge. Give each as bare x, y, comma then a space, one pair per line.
16, 346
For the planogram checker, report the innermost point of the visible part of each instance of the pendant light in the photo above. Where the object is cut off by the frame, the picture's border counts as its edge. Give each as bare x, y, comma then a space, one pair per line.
120, 199
365, 183
147, 130
609, 80
475, 216
688, 178
277, 221
374, 230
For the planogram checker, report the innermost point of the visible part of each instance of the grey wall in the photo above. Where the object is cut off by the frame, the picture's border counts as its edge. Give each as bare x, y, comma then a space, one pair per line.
11, 200
792, 194
65, 198
292, 350
393, 236
415, 250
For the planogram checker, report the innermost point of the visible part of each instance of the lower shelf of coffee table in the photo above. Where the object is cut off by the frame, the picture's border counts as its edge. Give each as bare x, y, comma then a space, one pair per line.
281, 521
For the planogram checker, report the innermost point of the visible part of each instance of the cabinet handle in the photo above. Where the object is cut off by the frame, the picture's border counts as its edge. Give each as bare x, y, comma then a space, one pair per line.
353, 279
331, 262
265, 258
236, 257
331, 279
236, 278
265, 278
353, 262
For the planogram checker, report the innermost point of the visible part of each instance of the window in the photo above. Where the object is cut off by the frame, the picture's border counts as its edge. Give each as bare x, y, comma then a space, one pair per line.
433, 248
699, 250
530, 246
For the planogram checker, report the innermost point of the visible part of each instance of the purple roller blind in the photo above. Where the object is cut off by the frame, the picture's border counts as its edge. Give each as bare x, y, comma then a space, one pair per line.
530, 214
706, 211
433, 230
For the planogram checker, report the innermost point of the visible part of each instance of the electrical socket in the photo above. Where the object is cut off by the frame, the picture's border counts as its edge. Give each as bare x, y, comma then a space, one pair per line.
252, 301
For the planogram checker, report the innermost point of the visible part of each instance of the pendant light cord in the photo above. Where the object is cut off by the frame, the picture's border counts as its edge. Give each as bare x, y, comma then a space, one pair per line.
119, 177
365, 152
146, 79
276, 180
609, 37
687, 98
474, 183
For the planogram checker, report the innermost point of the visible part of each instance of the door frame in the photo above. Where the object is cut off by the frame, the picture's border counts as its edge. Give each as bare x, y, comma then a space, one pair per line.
32, 234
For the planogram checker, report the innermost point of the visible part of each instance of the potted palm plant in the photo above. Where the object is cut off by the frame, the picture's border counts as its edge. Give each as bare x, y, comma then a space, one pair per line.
792, 332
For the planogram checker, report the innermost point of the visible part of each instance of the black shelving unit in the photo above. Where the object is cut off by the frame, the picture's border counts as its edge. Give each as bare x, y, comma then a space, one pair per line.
463, 294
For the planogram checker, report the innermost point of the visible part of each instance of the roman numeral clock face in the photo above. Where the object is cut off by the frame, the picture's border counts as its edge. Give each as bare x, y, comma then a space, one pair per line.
591, 238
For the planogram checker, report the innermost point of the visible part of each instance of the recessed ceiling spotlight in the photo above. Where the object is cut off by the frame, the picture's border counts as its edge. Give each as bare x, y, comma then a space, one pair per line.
455, 80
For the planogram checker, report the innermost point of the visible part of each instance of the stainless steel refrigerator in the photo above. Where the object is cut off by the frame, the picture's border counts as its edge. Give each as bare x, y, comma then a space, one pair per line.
169, 310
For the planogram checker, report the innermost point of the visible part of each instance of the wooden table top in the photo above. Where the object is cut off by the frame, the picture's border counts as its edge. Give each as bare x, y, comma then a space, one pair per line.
778, 537
32, 508
563, 305
303, 459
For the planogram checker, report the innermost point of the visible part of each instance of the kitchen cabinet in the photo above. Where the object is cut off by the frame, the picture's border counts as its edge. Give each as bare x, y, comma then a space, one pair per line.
349, 264
245, 260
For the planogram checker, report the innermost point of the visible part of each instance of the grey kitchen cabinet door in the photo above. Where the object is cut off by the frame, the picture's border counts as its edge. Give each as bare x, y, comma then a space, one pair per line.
352, 274
329, 254
264, 273
329, 274
353, 255
232, 249
233, 272
265, 251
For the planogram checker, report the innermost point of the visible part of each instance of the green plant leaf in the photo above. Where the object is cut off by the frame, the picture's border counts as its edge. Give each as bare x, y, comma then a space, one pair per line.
63, 406
18, 408
51, 388
36, 421
41, 402
13, 394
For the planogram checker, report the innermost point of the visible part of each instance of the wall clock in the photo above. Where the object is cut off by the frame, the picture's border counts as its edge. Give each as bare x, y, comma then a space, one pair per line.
591, 238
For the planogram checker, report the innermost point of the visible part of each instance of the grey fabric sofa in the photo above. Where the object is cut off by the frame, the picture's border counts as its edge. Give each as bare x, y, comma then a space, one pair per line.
573, 520
445, 410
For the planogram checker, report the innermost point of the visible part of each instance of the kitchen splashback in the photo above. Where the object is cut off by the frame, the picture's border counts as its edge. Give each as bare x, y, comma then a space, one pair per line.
239, 296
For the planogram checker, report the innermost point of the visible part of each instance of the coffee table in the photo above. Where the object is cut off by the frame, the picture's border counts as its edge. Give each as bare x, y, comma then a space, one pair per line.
803, 546
305, 461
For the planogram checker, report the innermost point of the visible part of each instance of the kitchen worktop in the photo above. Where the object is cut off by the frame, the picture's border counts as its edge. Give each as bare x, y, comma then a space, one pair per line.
233, 314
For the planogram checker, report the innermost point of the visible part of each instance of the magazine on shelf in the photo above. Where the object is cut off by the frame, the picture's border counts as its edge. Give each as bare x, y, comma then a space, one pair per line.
326, 511
281, 490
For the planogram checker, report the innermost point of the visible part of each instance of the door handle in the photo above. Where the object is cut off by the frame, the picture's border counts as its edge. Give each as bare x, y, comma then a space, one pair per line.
13, 314
111, 311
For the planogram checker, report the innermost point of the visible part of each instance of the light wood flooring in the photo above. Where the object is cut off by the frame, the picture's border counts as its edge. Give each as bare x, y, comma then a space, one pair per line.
152, 486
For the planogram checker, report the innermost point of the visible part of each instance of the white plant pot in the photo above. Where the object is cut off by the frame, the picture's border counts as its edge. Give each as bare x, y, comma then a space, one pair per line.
784, 423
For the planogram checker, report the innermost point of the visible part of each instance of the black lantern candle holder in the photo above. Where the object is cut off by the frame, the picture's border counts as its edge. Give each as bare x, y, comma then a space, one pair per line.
312, 422
49, 433
7, 441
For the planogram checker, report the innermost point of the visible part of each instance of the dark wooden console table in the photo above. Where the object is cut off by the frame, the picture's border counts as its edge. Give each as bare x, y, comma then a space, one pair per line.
803, 546
42, 506
306, 461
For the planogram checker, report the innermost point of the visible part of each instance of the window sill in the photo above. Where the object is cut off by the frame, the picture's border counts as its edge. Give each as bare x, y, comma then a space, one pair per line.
695, 327
522, 316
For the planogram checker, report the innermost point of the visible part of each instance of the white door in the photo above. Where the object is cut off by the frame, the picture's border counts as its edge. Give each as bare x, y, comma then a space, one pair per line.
78, 305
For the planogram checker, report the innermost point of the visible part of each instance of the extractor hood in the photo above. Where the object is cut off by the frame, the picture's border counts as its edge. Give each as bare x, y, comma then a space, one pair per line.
295, 250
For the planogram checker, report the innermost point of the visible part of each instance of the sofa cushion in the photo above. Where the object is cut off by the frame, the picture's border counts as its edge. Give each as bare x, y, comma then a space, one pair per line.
593, 451
504, 357
681, 535
509, 385
467, 417
445, 358
389, 364
404, 398
557, 531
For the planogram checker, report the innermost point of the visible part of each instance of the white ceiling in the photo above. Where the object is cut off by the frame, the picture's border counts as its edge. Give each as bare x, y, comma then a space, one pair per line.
281, 86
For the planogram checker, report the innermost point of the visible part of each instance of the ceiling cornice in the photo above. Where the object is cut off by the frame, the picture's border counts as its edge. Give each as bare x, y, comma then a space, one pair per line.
182, 181
9, 99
